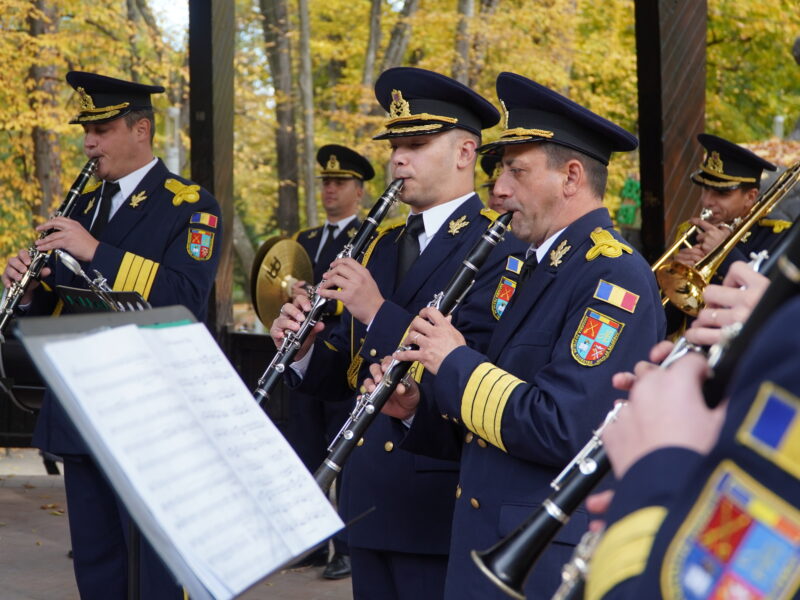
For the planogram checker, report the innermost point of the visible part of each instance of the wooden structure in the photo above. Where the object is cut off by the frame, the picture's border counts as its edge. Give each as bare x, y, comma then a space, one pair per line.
671, 61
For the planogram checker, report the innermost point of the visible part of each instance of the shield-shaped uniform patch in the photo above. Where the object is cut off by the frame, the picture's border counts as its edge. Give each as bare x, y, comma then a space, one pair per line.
502, 296
200, 244
595, 338
740, 540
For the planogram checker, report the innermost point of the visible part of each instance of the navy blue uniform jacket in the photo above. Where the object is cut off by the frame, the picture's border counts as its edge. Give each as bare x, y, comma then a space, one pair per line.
162, 242
412, 495
726, 525
527, 405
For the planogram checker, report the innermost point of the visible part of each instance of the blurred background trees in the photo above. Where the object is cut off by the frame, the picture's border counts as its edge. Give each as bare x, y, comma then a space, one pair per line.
304, 76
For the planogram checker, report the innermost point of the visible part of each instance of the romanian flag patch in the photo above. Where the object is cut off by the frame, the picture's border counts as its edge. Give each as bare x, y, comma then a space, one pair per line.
502, 296
200, 244
740, 540
616, 296
772, 427
201, 218
595, 338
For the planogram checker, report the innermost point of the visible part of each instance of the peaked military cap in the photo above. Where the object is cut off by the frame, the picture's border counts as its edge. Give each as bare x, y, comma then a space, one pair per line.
727, 166
341, 162
420, 102
104, 98
534, 113
491, 165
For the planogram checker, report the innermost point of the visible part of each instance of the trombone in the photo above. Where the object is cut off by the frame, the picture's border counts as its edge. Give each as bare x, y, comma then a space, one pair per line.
683, 285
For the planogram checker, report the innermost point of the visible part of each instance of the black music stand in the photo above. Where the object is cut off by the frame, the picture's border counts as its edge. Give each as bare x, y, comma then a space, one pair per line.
80, 300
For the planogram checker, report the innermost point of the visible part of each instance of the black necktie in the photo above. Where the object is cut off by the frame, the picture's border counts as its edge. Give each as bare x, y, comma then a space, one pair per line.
408, 249
104, 210
528, 267
329, 240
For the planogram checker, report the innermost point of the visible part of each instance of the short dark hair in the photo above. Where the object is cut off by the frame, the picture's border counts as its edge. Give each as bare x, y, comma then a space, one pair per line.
135, 116
596, 172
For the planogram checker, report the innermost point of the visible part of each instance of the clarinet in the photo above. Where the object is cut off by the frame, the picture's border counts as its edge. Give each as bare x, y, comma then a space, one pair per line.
293, 341
13, 295
573, 575
509, 562
368, 406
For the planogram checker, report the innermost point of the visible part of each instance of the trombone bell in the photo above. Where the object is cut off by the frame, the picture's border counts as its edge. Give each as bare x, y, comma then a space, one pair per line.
682, 285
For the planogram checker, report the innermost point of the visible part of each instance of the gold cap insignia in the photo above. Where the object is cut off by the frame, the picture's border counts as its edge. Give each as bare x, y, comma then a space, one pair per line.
86, 100
399, 107
558, 254
714, 162
455, 227
505, 114
333, 163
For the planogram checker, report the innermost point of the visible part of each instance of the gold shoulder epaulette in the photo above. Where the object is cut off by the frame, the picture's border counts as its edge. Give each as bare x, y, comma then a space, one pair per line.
490, 213
189, 193
606, 244
682, 228
92, 186
777, 225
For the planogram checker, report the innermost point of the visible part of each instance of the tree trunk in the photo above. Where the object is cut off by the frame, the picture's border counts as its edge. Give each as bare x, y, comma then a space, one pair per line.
398, 42
368, 78
479, 45
43, 100
466, 10
307, 98
276, 38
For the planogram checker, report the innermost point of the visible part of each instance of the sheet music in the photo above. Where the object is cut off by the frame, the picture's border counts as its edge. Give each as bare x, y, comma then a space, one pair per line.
212, 470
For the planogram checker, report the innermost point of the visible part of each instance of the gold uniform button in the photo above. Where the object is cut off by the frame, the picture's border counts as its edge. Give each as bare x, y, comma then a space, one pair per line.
469, 437
481, 443
360, 442
388, 446
455, 420
474, 502
373, 352
458, 491
444, 416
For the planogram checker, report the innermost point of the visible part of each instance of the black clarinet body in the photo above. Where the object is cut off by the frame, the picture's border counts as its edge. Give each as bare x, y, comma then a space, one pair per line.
14, 294
355, 248
368, 406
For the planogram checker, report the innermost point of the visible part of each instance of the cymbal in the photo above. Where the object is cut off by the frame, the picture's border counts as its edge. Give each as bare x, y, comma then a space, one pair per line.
279, 263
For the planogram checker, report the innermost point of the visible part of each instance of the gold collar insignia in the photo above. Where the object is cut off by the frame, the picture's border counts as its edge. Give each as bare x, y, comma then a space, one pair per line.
557, 254
313, 233
455, 227
88, 207
351, 232
138, 198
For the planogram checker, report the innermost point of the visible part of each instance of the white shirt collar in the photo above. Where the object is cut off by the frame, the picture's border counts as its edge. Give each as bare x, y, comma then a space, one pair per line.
541, 251
434, 217
128, 184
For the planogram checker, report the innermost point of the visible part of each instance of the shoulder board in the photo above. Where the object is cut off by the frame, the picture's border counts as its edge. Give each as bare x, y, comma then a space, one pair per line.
682, 228
182, 192
490, 213
777, 225
307, 230
92, 186
373, 243
606, 244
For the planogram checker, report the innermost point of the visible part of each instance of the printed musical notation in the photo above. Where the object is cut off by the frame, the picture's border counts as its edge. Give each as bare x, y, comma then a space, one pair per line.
180, 437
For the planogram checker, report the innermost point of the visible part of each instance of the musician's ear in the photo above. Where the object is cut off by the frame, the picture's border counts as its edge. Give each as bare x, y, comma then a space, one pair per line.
750, 198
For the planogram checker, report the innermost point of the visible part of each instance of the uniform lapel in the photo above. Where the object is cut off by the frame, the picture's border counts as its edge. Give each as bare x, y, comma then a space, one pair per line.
136, 205
577, 237
439, 249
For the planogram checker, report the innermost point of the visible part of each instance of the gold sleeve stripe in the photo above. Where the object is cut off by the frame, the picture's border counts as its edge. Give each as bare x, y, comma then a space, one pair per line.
136, 274
484, 401
623, 551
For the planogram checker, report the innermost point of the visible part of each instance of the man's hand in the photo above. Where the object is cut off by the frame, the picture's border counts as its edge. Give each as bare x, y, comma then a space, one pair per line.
709, 236
665, 409
625, 380
598, 504
403, 402
69, 235
689, 256
298, 289
726, 304
357, 289
433, 333
290, 318
16, 268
